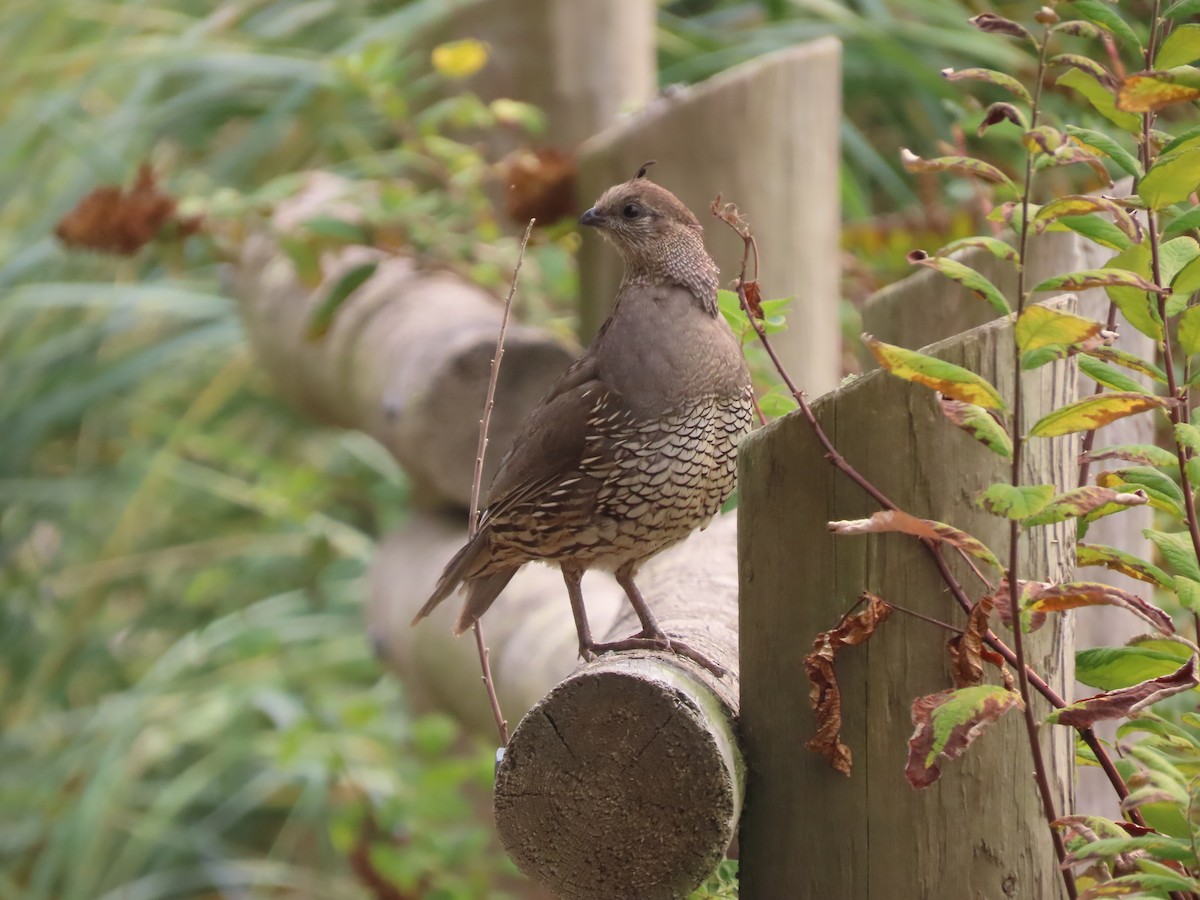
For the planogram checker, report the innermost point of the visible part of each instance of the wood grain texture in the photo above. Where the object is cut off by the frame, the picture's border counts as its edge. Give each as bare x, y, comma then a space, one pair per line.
927, 306
978, 833
626, 779
764, 135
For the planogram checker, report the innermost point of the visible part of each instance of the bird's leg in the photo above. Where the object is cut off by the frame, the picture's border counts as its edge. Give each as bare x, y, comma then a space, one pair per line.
651, 637
650, 627
573, 577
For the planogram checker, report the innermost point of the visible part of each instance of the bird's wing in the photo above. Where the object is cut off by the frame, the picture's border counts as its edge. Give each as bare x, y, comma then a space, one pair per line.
551, 442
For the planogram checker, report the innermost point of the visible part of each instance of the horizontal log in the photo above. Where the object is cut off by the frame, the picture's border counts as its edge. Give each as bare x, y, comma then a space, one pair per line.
408, 349
636, 730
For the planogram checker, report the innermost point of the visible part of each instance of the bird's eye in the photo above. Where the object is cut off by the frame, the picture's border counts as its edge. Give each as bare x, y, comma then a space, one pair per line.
631, 211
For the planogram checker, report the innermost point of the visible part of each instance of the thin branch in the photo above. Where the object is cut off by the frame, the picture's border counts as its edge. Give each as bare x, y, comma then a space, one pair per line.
477, 482
732, 218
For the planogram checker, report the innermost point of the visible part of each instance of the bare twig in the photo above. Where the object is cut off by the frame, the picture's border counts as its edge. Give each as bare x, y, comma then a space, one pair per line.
477, 482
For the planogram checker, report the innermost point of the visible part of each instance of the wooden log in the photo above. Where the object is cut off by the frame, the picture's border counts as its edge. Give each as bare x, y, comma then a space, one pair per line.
764, 135
407, 358
808, 831
926, 307
626, 779
582, 62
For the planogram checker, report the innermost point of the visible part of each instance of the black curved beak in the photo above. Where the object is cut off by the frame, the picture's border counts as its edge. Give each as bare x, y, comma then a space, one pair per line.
591, 217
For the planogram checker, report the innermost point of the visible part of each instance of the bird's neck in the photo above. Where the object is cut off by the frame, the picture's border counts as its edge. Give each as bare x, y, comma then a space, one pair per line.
679, 259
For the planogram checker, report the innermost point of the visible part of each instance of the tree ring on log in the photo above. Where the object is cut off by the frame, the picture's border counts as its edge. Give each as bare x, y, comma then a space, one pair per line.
624, 781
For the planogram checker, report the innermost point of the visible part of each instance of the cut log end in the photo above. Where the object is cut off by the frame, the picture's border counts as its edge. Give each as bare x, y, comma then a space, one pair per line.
624, 781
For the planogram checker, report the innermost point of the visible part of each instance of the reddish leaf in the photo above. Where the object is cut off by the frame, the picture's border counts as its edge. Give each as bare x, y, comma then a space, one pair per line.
895, 520
823, 690
1081, 501
1003, 600
1122, 703
753, 299
946, 724
1000, 79
541, 185
1001, 112
968, 652
994, 24
109, 220
959, 165
1075, 594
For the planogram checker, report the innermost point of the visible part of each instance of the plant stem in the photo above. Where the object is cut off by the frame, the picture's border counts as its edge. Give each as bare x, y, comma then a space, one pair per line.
1014, 535
477, 482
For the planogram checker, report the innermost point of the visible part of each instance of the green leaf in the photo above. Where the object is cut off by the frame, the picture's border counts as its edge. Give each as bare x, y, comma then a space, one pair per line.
1093, 412
1097, 230
1187, 136
1182, 9
946, 724
947, 378
1091, 278
1114, 668
1188, 436
1129, 361
1015, 502
998, 248
1101, 99
1189, 330
972, 280
1171, 179
1181, 47
1108, 376
1134, 303
1166, 500
991, 76
1106, 17
1080, 502
1098, 140
346, 285
1082, 204
1158, 846
1188, 592
1153, 480
1143, 454
1176, 549
1123, 562
958, 165
979, 424
336, 229
1186, 222
1041, 326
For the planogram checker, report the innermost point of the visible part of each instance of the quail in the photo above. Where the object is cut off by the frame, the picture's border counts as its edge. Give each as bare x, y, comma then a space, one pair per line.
634, 447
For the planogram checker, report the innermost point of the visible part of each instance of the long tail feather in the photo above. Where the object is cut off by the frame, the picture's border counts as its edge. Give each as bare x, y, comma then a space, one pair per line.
453, 575
480, 594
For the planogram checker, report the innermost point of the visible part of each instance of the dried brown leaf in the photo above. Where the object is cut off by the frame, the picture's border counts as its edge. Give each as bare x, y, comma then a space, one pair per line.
109, 220
823, 691
1122, 703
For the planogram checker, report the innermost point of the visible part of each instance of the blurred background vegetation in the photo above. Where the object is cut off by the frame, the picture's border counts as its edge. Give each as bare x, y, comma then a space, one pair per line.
188, 707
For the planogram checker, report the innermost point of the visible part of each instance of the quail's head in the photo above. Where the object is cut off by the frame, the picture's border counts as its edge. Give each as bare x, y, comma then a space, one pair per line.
643, 220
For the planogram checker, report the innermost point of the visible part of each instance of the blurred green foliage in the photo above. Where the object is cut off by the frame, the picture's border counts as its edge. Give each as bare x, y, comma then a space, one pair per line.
187, 704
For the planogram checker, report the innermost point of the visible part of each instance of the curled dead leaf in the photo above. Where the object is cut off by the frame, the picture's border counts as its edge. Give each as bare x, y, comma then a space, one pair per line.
824, 692
110, 220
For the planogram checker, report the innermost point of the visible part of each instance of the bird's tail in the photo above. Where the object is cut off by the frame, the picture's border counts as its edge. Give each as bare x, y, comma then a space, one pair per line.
481, 591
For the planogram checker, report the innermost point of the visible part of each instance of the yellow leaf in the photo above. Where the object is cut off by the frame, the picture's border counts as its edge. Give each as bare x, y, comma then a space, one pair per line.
1040, 326
1093, 412
951, 380
460, 59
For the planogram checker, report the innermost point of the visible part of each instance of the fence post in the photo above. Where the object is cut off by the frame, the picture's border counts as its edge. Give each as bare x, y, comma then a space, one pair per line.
764, 135
807, 831
927, 307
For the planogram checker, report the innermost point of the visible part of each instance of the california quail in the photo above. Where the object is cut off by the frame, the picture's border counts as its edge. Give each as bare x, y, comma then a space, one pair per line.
634, 446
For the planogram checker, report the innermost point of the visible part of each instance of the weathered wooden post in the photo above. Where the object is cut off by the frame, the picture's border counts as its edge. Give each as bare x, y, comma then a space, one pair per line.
808, 831
765, 135
928, 307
